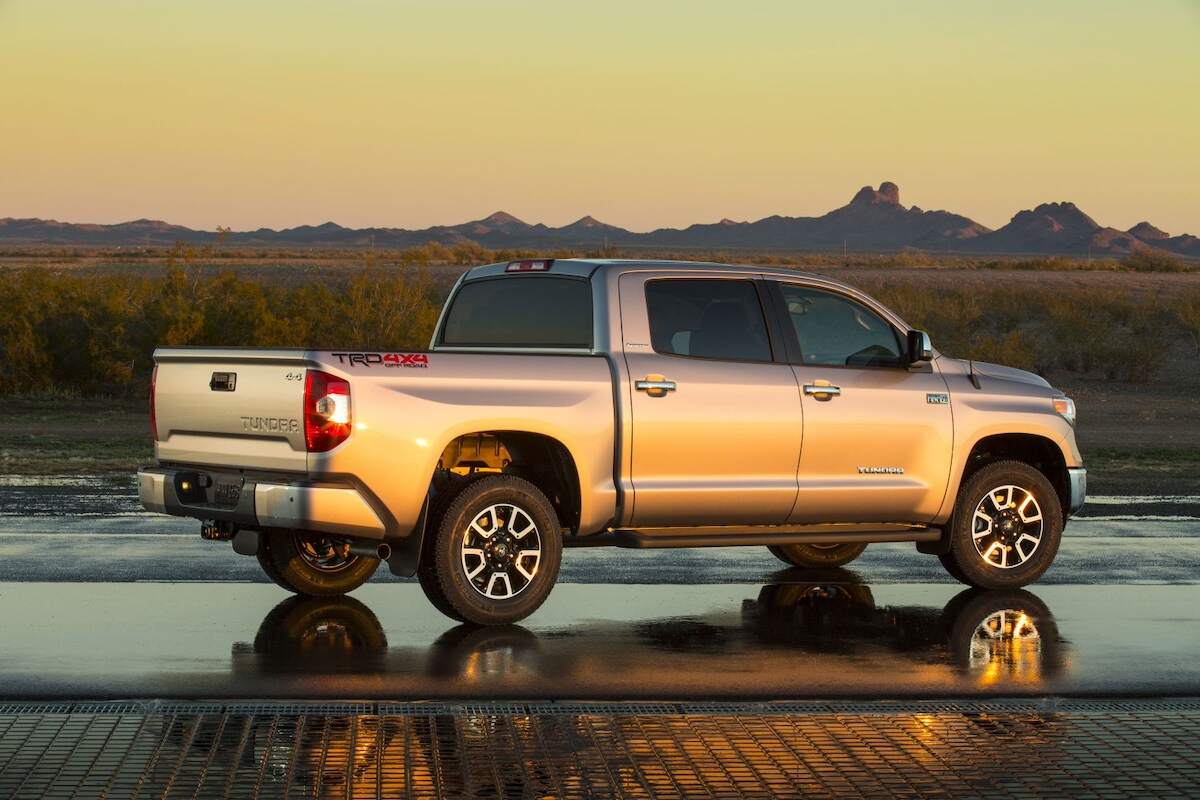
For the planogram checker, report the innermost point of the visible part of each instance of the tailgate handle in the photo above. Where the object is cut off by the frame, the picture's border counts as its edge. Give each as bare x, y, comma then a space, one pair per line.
223, 381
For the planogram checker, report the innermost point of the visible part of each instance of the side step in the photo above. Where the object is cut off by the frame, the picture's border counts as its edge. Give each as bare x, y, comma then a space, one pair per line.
728, 536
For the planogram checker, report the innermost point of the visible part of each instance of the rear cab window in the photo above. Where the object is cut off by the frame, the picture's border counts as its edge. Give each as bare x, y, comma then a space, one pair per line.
520, 311
707, 318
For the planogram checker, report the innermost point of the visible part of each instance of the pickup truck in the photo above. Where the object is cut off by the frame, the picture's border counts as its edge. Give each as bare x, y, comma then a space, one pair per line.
644, 404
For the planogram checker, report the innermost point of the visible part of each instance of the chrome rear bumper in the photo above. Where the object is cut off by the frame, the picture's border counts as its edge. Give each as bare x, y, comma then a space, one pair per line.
299, 504
1077, 480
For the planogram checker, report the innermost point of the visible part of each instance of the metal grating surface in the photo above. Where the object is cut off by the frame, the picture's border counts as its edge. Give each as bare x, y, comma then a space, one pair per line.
1048, 747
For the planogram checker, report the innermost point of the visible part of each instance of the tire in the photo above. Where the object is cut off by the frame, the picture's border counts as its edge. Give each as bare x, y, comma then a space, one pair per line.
1013, 538
427, 578
268, 564
952, 567
313, 564
816, 555
498, 581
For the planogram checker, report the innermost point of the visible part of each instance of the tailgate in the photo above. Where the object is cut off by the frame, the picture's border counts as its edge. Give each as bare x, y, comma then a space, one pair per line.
231, 407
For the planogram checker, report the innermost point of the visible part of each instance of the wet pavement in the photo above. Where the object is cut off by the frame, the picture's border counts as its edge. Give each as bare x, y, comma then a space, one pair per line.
138, 660
799, 637
102, 600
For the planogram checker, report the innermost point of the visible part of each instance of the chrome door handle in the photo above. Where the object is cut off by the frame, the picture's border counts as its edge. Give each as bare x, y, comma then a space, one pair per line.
822, 389
650, 386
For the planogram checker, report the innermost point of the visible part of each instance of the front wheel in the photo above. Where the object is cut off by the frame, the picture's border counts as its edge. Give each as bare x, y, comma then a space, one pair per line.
1006, 527
496, 553
817, 555
313, 564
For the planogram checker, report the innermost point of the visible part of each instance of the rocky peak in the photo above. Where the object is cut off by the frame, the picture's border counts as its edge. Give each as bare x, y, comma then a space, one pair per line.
888, 193
1148, 233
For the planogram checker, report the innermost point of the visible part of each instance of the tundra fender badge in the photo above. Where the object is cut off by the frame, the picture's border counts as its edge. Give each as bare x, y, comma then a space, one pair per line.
937, 399
881, 470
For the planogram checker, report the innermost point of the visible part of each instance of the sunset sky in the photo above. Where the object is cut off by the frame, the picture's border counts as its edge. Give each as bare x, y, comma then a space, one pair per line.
644, 114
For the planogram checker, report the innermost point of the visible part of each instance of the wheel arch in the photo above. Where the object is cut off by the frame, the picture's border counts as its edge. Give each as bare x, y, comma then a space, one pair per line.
1039, 452
542, 459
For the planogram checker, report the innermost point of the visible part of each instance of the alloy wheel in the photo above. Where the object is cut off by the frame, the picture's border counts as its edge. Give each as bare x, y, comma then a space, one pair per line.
500, 551
1007, 526
324, 553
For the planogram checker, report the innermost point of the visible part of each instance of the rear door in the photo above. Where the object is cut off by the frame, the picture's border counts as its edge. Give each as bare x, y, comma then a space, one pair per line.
716, 420
878, 436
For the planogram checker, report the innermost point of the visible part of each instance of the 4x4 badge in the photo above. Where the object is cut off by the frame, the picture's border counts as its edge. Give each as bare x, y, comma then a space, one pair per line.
937, 399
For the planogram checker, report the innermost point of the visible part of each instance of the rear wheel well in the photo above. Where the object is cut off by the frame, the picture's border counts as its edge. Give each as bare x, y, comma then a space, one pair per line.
1037, 451
542, 460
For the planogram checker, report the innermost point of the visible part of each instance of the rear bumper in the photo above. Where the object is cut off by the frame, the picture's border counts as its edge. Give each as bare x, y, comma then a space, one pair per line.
257, 503
1077, 481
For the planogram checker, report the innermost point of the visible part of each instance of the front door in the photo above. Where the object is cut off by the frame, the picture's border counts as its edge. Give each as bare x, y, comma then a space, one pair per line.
716, 422
878, 436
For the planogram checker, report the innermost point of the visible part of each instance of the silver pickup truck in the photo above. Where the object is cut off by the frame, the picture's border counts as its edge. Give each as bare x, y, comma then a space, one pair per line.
626, 403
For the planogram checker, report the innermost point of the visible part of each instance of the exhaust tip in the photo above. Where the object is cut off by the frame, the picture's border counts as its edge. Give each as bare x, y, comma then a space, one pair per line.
369, 549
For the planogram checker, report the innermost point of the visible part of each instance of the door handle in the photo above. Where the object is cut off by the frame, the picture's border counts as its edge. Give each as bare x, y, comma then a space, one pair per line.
654, 385
822, 390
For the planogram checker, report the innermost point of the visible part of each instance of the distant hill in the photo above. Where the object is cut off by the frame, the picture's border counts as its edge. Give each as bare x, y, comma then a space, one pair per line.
874, 221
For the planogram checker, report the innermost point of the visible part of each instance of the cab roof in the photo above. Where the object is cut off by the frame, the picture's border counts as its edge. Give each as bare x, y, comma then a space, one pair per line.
588, 267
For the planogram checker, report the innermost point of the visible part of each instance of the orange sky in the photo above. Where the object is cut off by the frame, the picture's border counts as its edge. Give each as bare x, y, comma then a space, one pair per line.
643, 114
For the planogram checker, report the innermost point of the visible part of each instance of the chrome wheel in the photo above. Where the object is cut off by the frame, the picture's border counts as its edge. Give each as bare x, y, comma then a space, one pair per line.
500, 551
324, 553
1007, 526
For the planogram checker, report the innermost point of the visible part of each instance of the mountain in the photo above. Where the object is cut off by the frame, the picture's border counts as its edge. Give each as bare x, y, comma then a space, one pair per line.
1059, 228
1184, 244
874, 220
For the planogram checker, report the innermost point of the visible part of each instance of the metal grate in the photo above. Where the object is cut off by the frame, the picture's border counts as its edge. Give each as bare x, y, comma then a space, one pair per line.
996, 748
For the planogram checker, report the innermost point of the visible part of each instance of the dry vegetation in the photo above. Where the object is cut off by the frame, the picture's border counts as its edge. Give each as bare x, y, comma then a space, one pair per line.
83, 333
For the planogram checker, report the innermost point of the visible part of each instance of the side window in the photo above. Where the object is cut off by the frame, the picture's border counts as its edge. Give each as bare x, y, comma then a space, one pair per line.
707, 319
835, 331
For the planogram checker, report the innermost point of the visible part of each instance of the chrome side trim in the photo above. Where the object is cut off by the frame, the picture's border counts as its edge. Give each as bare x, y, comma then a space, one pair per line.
1077, 479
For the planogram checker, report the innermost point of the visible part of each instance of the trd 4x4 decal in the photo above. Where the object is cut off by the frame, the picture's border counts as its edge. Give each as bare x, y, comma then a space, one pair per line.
406, 360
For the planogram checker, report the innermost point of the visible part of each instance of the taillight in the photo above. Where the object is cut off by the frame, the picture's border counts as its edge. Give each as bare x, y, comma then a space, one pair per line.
326, 411
153, 418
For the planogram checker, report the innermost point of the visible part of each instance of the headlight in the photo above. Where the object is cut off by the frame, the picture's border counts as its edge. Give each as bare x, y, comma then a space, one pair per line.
1065, 406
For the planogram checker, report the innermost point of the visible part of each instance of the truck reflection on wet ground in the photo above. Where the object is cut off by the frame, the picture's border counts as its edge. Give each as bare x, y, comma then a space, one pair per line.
1001, 638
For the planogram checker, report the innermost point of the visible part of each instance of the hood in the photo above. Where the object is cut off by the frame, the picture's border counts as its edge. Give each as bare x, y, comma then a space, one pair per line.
1002, 372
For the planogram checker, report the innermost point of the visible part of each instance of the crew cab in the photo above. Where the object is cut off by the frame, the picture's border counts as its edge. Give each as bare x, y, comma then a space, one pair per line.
642, 404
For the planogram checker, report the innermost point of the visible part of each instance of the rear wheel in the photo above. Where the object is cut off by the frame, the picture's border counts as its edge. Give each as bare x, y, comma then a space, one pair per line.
267, 563
1006, 527
496, 553
314, 564
817, 555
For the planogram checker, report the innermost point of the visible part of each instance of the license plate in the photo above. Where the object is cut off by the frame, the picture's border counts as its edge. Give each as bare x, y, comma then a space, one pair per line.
227, 494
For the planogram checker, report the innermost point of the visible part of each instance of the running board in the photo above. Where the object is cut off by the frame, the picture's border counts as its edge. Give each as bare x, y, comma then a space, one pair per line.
726, 536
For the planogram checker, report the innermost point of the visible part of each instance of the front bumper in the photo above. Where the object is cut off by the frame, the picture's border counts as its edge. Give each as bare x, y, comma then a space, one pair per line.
259, 503
1077, 482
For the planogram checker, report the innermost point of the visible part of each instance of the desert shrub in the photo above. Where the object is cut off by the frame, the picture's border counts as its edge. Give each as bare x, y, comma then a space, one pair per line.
89, 334
1186, 310
1147, 260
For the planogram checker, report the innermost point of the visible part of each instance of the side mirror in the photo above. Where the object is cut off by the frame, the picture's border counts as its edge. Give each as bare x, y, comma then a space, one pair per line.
919, 347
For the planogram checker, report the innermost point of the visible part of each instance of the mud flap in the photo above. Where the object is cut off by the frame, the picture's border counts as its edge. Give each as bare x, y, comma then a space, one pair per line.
939, 546
406, 552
